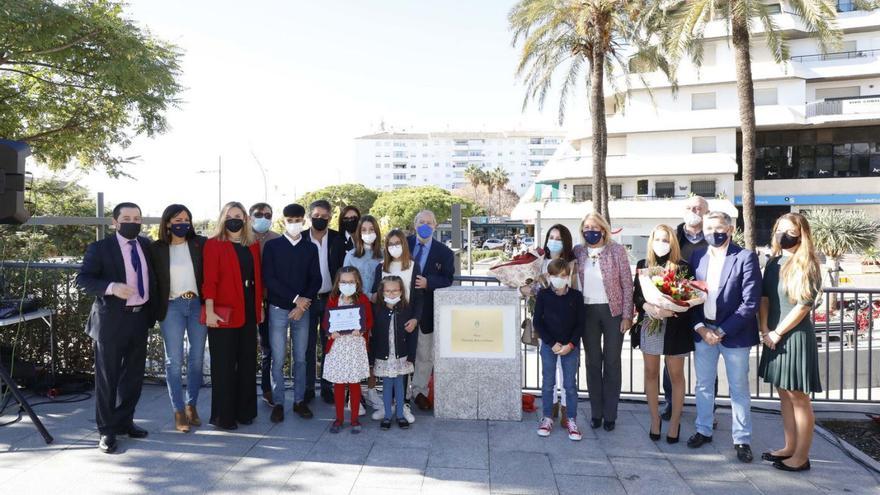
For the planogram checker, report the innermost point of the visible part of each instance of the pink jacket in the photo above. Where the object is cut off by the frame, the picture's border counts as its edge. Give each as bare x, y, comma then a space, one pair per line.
616, 276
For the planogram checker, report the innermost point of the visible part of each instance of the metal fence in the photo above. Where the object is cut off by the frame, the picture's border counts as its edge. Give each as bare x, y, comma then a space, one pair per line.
847, 323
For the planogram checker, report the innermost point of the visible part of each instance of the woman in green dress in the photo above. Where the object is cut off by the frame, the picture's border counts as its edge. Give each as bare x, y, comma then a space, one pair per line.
790, 358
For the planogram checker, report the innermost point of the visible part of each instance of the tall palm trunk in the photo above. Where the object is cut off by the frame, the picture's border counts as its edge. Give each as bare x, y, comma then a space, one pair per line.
746, 95
600, 132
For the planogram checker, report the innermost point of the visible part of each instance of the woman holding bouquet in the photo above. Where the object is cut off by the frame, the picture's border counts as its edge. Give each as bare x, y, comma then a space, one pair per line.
661, 332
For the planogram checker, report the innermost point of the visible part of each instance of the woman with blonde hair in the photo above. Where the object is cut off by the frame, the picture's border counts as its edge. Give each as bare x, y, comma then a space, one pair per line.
606, 282
673, 339
790, 357
233, 293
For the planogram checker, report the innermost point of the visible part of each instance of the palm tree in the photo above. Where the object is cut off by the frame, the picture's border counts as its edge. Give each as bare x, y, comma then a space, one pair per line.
499, 179
475, 175
687, 33
595, 39
839, 232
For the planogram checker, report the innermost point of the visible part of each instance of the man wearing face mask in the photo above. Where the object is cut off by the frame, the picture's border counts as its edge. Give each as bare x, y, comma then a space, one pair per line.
292, 275
331, 254
437, 265
261, 223
118, 271
725, 326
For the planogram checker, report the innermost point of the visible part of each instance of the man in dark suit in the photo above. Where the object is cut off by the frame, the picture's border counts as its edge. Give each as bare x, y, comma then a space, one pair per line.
437, 265
331, 255
118, 271
725, 326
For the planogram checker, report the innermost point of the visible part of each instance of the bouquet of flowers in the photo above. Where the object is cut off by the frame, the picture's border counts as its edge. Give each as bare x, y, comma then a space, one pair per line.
522, 270
669, 289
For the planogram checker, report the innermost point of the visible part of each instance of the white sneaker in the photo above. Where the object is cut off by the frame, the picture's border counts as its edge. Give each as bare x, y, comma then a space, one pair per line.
379, 413
373, 399
545, 427
574, 434
361, 411
408, 415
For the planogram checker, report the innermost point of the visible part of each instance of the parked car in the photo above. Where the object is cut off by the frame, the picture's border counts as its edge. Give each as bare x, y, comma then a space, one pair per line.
528, 242
493, 244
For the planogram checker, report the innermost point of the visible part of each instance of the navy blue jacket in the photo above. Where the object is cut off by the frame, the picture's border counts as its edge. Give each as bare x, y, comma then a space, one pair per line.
739, 296
439, 270
102, 265
560, 319
290, 271
405, 343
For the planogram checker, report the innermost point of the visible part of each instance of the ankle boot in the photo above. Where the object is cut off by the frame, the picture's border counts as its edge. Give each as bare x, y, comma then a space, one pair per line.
192, 416
180, 422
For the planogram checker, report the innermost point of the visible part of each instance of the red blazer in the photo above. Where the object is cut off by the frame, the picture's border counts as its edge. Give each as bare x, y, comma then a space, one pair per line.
222, 281
366, 318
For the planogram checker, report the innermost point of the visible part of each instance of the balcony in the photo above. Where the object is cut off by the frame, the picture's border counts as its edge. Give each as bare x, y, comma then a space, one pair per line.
821, 57
868, 104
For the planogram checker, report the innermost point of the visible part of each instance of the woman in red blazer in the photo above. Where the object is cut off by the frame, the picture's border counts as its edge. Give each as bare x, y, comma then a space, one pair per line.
233, 290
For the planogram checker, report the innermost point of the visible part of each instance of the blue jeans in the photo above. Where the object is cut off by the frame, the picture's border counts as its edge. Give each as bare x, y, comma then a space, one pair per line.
736, 362
299, 331
183, 318
392, 388
548, 379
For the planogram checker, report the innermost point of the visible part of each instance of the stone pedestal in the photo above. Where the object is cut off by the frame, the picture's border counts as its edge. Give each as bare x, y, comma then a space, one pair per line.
477, 357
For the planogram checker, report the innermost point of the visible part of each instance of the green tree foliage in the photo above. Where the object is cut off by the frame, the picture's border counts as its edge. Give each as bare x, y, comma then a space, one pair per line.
357, 195
839, 232
398, 208
78, 80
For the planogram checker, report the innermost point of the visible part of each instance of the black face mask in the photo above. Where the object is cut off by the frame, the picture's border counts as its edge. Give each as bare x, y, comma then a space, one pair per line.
349, 224
319, 223
129, 230
787, 241
234, 224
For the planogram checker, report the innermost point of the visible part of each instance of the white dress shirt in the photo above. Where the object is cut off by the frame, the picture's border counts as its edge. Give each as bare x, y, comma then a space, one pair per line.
713, 280
326, 281
594, 286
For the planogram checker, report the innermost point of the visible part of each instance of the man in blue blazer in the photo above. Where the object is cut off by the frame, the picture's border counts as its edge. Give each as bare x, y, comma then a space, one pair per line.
437, 264
725, 325
118, 271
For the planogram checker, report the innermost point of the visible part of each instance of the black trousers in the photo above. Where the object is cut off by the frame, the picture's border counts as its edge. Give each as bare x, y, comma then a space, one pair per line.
265, 357
119, 373
233, 374
316, 313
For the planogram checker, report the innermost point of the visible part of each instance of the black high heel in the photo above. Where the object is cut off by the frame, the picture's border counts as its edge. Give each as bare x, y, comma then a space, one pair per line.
670, 439
656, 436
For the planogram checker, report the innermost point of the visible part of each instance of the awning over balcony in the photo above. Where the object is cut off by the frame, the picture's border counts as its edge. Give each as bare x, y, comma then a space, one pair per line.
658, 209
581, 167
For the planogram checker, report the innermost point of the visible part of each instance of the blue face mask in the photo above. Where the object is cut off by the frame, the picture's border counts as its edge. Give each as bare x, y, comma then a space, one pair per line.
554, 245
262, 225
593, 237
717, 239
180, 229
425, 231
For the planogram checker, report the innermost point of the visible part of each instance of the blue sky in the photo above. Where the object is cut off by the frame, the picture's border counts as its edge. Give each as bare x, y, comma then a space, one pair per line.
293, 82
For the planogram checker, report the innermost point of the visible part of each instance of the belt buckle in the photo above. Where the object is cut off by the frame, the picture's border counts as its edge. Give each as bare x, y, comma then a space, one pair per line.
188, 295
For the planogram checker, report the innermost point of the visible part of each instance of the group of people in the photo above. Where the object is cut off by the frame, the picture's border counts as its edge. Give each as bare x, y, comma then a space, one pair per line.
246, 284
588, 296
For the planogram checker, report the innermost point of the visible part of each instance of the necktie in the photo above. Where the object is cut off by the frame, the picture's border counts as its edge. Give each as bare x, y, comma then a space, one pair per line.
420, 249
136, 264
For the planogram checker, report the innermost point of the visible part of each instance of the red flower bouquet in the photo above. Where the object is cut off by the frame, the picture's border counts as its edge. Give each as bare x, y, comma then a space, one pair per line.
669, 289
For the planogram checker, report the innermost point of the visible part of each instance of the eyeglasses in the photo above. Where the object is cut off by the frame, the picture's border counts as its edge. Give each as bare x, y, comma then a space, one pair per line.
267, 216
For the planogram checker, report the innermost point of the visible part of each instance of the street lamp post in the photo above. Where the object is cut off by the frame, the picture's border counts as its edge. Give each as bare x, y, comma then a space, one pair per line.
219, 173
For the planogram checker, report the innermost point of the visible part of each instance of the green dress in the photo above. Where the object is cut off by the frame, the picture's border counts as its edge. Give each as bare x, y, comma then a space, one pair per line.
794, 364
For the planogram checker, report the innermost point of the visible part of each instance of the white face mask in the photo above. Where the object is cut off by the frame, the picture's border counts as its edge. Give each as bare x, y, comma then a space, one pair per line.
369, 238
558, 282
392, 300
294, 229
692, 219
395, 251
347, 289
661, 248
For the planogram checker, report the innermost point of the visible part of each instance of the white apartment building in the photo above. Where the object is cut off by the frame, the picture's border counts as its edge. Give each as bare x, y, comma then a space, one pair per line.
391, 160
818, 139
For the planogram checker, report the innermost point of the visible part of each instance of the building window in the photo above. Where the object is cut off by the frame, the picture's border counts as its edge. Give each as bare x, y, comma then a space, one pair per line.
616, 191
535, 141
583, 192
774, 8
642, 187
846, 5
399, 176
709, 52
840, 92
378, 165
664, 189
399, 166
704, 188
400, 154
702, 101
766, 96
703, 144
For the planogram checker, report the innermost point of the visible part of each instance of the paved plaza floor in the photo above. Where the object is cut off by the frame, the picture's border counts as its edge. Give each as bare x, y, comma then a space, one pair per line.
435, 456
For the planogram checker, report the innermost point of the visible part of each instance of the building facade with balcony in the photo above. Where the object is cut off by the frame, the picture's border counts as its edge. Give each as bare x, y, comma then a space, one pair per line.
392, 160
818, 139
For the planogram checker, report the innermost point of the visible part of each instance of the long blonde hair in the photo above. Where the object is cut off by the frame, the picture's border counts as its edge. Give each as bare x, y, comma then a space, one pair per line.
247, 233
674, 249
603, 225
801, 275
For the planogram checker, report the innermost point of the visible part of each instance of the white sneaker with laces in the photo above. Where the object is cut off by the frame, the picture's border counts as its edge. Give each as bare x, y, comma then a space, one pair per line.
379, 413
545, 427
574, 434
408, 415
373, 399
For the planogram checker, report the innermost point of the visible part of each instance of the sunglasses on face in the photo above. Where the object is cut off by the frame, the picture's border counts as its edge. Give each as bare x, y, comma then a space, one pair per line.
267, 216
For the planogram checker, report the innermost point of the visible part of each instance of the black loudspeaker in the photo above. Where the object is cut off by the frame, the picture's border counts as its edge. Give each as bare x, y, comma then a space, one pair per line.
12, 158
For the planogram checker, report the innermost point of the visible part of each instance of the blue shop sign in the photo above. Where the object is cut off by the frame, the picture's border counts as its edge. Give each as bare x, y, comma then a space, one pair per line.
818, 199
